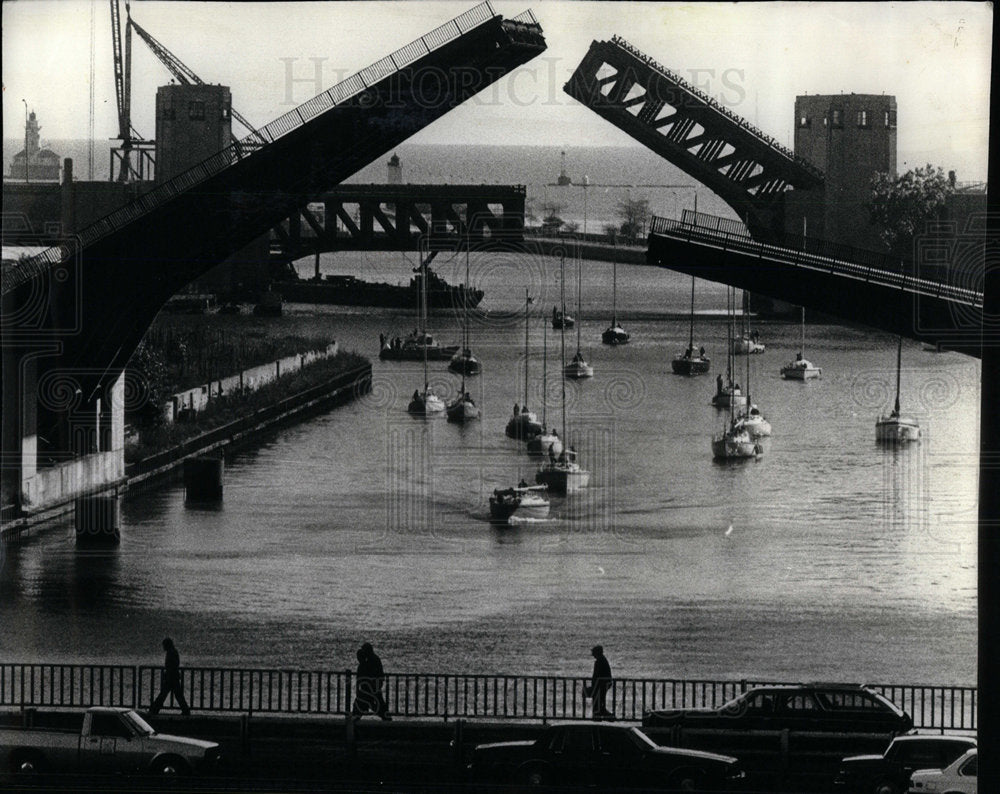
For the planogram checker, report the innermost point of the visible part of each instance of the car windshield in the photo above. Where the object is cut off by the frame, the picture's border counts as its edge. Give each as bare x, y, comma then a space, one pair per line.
140, 725
643, 738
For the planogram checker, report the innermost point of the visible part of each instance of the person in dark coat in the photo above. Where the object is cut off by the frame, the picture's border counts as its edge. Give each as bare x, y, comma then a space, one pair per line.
371, 680
171, 680
600, 683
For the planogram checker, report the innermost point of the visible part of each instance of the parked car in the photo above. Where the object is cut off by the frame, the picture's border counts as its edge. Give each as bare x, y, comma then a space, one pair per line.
959, 777
804, 707
603, 755
109, 740
890, 772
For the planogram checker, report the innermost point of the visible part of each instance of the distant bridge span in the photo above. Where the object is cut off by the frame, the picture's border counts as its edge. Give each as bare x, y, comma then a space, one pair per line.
857, 286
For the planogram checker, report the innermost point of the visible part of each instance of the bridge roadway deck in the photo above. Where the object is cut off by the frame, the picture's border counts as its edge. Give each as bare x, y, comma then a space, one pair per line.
315, 753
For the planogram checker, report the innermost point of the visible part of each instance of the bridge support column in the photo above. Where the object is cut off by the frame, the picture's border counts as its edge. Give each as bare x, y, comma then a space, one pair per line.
203, 479
98, 520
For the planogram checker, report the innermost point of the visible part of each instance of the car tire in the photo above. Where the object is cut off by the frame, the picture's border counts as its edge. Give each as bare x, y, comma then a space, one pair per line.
26, 763
169, 766
686, 780
885, 787
535, 776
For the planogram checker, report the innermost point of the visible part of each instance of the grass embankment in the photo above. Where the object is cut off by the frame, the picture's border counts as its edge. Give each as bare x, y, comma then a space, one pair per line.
229, 408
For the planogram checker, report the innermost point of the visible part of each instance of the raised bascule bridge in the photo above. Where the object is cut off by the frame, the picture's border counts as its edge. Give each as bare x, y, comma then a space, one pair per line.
936, 298
73, 315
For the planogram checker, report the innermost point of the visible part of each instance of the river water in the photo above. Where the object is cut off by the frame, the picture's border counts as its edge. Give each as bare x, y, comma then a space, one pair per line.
844, 561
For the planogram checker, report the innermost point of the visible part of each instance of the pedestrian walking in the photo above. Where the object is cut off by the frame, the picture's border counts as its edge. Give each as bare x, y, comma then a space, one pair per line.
170, 681
600, 683
371, 680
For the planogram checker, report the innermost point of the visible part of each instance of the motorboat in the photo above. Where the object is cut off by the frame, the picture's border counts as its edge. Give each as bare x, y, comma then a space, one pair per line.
690, 363
522, 502
801, 368
895, 428
464, 363
415, 347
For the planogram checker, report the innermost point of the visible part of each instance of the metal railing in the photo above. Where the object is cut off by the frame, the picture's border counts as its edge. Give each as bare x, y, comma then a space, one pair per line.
821, 255
435, 695
741, 122
14, 276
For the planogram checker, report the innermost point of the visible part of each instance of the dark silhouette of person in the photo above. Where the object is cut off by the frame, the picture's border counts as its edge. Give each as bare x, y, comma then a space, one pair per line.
171, 680
600, 683
371, 680
701, 353
718, 384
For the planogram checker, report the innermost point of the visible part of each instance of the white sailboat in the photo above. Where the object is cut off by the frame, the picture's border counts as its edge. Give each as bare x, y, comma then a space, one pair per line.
547, 439
735, 441
897, 428
801, 368
424, 403
728, 393
561, 473
614, 334
524, 423
520, 503
578, 368
464, 408
689, 362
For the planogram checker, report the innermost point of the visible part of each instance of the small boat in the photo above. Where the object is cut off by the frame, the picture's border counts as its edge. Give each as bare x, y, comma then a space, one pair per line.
463, 409
524, 424
578, 368
896, 428
801, 368
688, 363
728, 394
464, 363
561, 473
519, 503
614, 334
415, 347
561, 320
545, 442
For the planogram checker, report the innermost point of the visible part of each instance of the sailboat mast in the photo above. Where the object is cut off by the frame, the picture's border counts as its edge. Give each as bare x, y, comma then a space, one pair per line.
731, 362
423, 317
545, 375
802, 339
579, 282
465, 319
899, 364
691, 334
527, 300
614, 284
562, 343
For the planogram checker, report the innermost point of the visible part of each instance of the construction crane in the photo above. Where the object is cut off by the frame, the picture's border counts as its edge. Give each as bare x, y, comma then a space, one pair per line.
123, 89
179, 70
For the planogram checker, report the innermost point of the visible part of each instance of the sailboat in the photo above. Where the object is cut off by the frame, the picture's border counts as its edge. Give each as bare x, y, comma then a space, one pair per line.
801, 368
727, 393
561, 473
688, 363
751, 419
896, 428
524, 423
546, 440
747, 343
614, 334
578, 368
425, 403
734, 442
464, 408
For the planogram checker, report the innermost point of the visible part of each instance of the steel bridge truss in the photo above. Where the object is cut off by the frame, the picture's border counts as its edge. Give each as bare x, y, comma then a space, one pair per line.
744, 166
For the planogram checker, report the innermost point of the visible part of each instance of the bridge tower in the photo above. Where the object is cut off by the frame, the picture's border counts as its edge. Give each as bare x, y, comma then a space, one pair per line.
850, 137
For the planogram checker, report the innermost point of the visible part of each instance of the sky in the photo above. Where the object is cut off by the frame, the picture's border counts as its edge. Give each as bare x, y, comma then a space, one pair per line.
934, 57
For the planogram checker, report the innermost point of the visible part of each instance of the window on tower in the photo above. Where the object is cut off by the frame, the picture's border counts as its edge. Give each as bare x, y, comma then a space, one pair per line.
838, 119
890, 119
862, 118
196, 110
805, 122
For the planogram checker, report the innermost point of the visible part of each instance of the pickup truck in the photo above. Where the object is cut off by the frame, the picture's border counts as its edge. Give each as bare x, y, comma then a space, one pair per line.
110, 740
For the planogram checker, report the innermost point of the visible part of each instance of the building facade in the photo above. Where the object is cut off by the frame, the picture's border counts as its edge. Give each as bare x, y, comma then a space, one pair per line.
33, 163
